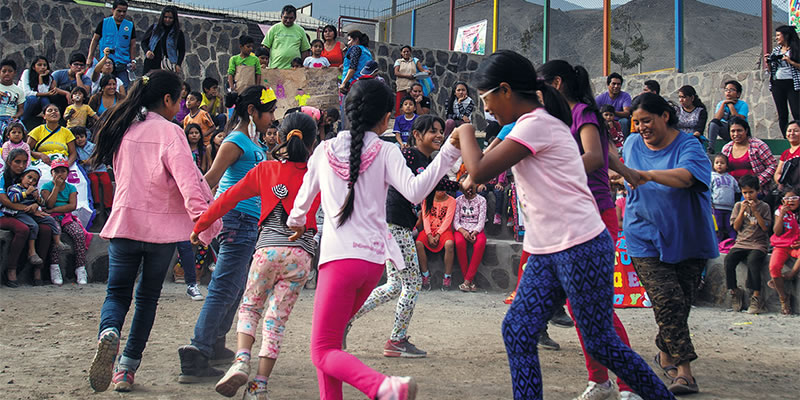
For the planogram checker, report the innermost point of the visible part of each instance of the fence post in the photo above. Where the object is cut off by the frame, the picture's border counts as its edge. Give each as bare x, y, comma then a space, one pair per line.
546, 32
495, 18
678, 35
450, 37
606, 37
413, 27
766, 28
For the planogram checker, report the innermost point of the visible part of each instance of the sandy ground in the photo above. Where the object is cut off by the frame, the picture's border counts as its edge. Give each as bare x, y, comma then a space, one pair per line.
48, 337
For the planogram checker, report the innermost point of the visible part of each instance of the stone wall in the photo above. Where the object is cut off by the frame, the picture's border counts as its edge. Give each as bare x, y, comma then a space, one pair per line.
763, 117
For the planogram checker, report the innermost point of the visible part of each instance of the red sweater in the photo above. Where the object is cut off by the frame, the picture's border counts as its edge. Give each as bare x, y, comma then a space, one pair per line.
274, 181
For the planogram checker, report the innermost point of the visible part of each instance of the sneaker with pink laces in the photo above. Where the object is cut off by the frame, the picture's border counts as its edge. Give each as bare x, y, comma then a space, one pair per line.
498, 219
123, 379
446, 282
397, 388
103, 363
426, 282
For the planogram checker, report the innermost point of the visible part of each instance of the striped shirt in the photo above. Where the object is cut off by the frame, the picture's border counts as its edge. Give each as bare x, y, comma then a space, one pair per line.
275, 233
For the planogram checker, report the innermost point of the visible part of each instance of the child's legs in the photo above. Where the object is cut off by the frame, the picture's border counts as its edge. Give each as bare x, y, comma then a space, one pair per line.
498, 201
449, 251
732, 260
94, 178
75, 231
260, 279
779, 257
755, 261
461, 252
477, 255
33, 227
422, 256
108, 189
384, 293
186, 258
343, 286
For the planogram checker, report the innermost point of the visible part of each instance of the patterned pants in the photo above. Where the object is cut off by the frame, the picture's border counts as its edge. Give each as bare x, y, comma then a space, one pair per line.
585, 273
75, 231
672, 288
283, 271
406, 283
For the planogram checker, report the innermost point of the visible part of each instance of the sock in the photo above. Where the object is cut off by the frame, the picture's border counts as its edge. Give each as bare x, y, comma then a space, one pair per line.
261, 382
243, 355
128, 363
426, 274
448, 276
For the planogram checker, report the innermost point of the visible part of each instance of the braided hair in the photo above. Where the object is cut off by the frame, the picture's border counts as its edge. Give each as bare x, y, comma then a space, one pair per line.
367, 103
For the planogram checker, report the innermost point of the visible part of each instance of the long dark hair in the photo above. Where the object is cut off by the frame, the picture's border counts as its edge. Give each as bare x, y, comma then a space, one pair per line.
213, 145
296, 149
577, 86
655, 104
737, 120
201, 150
518, 72
688, 90
251, 95
34, 83
332, 29
363, 39
422, 124
9, 177
146, 93
453, 95
175, 24
790, 34
366, 104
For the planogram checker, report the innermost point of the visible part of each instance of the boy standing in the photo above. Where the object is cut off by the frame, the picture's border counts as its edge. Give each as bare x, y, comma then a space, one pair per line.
11, 96
244, 69
404, 123
316, 60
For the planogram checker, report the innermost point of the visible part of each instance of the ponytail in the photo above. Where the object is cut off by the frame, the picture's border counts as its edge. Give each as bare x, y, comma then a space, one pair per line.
146, 93
363, 39
575, 87
367, 103
251, 96
295, 148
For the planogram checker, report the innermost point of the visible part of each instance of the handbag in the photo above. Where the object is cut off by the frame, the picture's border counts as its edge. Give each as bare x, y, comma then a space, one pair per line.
790, 175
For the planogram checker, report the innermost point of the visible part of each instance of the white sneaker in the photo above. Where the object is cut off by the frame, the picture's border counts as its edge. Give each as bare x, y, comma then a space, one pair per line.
626, 395
397, 388
83, 278
55, 275
194, 292
600, 391
234, 378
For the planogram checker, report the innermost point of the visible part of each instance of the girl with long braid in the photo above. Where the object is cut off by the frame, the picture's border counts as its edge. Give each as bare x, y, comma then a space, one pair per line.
353, 172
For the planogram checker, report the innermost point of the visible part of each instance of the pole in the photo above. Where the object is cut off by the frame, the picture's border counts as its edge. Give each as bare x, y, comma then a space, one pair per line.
413, 27
678, 36
391, 22
766, 27
606, 37
495, 17
546, 33
450, 37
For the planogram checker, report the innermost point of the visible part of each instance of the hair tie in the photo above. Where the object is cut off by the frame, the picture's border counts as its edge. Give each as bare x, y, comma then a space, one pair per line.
349, 185
293, 133
145, 80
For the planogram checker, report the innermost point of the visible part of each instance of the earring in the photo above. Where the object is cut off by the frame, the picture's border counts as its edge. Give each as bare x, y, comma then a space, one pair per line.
251, 129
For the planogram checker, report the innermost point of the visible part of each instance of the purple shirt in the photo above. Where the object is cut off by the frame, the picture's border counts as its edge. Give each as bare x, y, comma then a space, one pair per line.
182, 112
403, 125
622, 101
598, 179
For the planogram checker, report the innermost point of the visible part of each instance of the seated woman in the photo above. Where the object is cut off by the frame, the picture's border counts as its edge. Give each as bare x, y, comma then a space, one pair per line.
692, 113
105, 67
792, 176
51, 140
748, 155
468, 222
437, 219
107, 97
39, 87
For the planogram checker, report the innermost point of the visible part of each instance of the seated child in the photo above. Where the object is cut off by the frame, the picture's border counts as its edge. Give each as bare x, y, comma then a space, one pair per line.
404, 122
614, 128
15, 137
723, 195
99, 177
198, 116
213, 103
329, 123
316, 60
183, 111
468, 222
437, 219
61, 199
498, 187
785, 235
78, 112
751, 219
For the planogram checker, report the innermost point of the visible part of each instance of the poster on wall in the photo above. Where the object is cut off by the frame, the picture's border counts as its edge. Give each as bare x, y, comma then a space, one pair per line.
628, 291
471, 38
794, 14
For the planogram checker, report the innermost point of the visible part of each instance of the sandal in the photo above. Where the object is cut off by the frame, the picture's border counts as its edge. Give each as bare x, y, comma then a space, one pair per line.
473, 287
786, 305
686, 387
464, 287
666, 368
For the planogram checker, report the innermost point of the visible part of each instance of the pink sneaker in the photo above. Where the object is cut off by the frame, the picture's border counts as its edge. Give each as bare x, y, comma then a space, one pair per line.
397, 388
123, 380
498, 219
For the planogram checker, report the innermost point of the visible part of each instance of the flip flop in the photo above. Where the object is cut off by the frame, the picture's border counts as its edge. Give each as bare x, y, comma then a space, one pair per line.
679, 388
666, 368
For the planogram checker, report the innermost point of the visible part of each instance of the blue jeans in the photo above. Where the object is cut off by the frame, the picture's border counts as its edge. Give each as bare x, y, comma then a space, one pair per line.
124, 258
186, 257
34, 105
237, 244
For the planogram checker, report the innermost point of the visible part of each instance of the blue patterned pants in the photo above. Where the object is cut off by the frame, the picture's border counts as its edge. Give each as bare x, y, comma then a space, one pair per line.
585, 273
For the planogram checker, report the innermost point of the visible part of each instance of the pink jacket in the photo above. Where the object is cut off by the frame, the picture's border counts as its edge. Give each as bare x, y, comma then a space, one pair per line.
365, 235
160, 191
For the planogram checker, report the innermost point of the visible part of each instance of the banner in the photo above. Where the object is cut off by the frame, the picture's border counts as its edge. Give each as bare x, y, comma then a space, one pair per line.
471, 38
77, 177
794, 14
628, 292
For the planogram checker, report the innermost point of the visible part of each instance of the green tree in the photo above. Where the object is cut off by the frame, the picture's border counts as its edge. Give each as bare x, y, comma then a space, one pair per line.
630, 50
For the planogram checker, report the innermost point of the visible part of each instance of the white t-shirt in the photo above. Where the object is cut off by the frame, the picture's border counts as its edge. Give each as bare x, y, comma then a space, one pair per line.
96, 84
557, 206
312, 62
11, 97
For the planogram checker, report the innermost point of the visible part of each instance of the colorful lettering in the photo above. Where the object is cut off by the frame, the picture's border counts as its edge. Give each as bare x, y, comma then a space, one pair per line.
617, 279
633, 279
635, 298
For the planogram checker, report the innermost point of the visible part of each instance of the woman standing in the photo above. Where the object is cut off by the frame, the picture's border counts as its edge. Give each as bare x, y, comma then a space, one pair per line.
357, 57
784, 68
332, 48
405, 68
164, 44
668, 228
692, 113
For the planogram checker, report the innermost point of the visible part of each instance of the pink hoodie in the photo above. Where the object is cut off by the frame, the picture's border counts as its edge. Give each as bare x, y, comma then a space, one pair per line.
365, 235
160, 191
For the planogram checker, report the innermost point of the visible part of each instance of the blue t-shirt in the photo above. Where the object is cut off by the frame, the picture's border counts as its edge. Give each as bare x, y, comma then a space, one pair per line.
252, 154
403, 125
670, 223
84, 153
505, 130
63, 81
63, 195
741, 107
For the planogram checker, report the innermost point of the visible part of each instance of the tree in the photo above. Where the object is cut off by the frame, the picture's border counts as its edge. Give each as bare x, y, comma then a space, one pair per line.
630, 50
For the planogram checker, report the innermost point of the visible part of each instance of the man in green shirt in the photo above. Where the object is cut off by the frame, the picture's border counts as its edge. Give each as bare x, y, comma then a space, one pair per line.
286, 41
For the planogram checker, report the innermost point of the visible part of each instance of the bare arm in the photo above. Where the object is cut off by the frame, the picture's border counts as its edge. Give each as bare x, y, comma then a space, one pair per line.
778, 172
133, 49
37, 154
483, 167
92, 49
227, 155
73, 153
739, 221
679, 178
777, 226
66, 208
625, 113
592, 148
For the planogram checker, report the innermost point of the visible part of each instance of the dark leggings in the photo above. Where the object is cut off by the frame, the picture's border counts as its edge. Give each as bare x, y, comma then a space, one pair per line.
754, 260
783, 93
585, 273
20, 240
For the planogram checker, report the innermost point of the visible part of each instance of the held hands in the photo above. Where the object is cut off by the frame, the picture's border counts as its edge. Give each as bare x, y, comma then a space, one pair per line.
298, 231
40, 213
31, 209
194, 238
149, 54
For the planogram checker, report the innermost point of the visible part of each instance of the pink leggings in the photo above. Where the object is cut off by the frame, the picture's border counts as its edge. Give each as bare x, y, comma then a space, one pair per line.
342, 287
477, 255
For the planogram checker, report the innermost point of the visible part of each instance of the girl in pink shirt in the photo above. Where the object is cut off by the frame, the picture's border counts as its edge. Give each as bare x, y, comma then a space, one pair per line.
159, 193
353, 172
437, 233
571, 251
468, 223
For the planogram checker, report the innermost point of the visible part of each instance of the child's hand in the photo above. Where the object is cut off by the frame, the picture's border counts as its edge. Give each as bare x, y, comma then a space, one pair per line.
498, 187
195, 239
31, 209
795, 244
31, 190
454, 138
298, 231
481, 188
40, 213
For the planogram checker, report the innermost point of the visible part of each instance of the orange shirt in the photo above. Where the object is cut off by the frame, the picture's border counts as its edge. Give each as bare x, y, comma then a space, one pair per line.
203, 119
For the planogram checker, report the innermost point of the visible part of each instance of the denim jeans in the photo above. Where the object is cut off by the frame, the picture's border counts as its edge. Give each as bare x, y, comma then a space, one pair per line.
34, 105
186, 257
237, 244
124, 258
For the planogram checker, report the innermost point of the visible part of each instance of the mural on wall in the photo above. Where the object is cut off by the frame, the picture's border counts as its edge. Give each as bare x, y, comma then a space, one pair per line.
471, 38
315, 87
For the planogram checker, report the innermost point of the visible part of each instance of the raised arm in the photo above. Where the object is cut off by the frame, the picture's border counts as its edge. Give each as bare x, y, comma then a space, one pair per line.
415, 188
247, 187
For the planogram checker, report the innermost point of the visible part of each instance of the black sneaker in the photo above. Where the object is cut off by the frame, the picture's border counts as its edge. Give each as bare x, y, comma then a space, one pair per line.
402, 348
222, 355
561, 319
426, 282
195, 367
546, 343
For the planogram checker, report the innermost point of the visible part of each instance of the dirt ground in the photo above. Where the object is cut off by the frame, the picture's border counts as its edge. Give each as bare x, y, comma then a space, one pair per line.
48, 334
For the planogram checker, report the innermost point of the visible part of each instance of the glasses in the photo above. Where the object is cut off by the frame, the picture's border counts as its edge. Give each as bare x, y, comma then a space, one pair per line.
726, 90
791, 198
78, 65
483, 96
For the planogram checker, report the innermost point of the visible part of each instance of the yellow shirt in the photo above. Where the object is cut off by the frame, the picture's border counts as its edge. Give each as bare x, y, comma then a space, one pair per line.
56, 144
214, 107
79, 115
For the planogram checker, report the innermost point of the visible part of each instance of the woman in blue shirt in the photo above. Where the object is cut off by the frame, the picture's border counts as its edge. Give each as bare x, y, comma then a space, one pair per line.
668, 228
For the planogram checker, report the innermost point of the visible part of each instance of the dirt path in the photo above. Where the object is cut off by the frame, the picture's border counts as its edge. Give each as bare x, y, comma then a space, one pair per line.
48, 333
